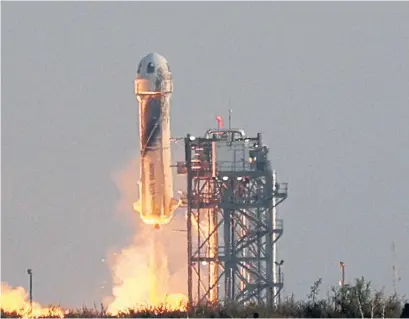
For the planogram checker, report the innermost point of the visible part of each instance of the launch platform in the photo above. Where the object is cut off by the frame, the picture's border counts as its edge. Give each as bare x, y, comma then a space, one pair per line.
232, 226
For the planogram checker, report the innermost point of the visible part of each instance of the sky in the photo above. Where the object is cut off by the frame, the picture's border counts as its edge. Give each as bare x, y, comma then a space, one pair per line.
327, 84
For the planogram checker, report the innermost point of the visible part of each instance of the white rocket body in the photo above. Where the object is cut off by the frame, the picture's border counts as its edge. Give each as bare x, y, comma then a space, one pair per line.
153, 88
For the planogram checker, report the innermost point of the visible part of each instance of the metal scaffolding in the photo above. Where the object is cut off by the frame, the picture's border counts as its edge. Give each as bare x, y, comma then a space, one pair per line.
232, 229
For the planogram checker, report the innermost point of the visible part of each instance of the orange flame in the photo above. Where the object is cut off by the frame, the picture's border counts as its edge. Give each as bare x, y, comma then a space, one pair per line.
141, 273
141, 277
16, 300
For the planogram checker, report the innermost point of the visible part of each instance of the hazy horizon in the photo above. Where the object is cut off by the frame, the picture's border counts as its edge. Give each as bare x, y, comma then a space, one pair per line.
327, 85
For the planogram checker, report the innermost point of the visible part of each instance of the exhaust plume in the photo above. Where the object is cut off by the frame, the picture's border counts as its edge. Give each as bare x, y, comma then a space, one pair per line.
146, 272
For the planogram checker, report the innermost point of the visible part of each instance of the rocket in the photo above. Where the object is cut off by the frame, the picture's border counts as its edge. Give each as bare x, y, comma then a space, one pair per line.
153, 89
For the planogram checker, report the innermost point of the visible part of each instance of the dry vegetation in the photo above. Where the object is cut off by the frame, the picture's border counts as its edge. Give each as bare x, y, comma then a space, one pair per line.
352, 301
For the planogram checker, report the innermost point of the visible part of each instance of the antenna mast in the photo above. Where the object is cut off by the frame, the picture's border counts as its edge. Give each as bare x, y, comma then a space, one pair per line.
342, 281
394, 270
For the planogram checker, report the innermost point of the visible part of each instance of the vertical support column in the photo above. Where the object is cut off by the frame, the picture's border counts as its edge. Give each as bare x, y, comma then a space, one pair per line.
227, 246
198, 250
274, 246
246, 279
30, 274
189, 222
213, 252
258, 254
213, 240
270, 246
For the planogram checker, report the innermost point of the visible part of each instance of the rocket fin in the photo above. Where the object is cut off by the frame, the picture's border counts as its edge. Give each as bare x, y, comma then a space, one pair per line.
137, 206
174, 204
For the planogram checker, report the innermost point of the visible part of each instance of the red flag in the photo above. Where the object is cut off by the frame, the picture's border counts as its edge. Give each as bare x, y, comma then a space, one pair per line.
219, 121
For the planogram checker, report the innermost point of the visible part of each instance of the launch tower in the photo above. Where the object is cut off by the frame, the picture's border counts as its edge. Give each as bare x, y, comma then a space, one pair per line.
232, 227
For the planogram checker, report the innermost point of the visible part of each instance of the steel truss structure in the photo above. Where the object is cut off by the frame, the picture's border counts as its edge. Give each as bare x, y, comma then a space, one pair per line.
232, 228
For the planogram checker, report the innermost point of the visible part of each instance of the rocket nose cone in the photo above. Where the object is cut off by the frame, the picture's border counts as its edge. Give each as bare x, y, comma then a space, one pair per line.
151, 63
153, 75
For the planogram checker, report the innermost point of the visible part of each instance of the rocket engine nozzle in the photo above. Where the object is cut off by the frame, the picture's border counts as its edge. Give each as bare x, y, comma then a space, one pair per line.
163, 218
